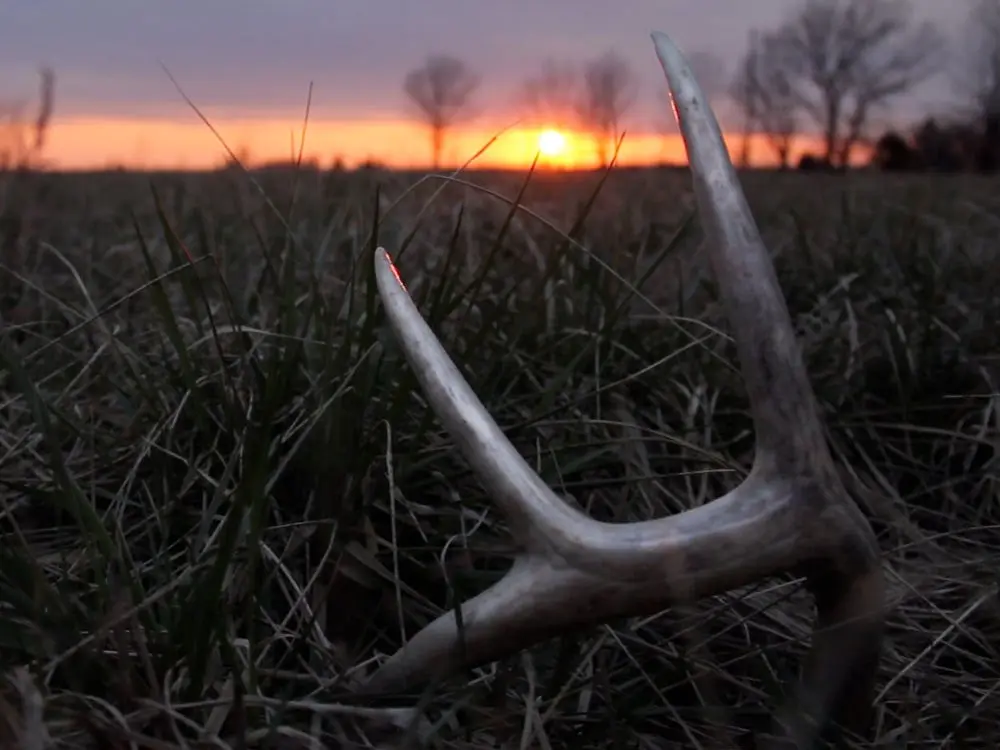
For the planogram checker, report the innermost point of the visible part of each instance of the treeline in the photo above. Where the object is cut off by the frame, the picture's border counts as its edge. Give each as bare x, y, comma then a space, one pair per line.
934, 147
828, 67
832, 65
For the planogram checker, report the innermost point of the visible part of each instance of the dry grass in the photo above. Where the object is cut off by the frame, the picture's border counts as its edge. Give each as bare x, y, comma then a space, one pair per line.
222, 497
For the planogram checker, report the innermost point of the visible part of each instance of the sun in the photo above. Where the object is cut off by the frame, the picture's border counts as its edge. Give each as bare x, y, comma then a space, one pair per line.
551, 143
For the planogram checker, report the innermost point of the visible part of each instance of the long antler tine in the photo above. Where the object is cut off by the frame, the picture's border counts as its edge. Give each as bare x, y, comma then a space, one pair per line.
781, 398
536, 514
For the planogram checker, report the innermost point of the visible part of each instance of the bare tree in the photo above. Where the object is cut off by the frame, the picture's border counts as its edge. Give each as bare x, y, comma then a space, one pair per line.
845, 59
22, 139
441, 89
762, 89
552, 96
978, 72
609, 88
978, 78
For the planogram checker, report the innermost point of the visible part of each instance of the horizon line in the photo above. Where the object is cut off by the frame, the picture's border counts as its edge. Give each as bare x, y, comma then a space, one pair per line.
83, 144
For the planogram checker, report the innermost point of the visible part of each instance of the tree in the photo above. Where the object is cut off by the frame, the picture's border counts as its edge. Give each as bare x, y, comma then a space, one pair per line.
762, 89
942, 149
845, 59
978, 78
979, 65
441, 89
594, 97
893, 153
609, 89
22, 139
552, 96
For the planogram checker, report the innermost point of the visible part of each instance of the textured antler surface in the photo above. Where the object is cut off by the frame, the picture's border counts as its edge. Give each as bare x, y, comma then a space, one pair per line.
790, 514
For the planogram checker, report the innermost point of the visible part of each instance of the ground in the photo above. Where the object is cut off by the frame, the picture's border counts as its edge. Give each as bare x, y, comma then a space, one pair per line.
222, 497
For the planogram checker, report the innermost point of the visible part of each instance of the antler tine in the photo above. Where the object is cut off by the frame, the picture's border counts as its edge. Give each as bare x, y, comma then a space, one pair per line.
790, 514
781, 399
845, 578
535, 512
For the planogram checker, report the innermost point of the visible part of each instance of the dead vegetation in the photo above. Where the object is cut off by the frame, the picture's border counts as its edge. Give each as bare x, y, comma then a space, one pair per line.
222, 496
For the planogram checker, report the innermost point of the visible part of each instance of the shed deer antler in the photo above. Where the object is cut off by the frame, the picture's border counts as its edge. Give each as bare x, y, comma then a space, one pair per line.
790, 514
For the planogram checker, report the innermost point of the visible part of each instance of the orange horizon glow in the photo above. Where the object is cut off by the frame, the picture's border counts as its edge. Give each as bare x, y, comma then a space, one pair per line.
88, 143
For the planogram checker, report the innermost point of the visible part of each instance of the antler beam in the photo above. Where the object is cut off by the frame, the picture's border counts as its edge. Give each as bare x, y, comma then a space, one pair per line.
790, 514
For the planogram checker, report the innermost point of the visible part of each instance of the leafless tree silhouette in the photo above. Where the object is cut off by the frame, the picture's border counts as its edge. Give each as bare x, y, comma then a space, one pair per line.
762, 89
552, 96
609, 88
978, 78
22, 139
441, 89
979, 65
845, 59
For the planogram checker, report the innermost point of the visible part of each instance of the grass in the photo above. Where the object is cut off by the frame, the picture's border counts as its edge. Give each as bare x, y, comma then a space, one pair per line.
223, 499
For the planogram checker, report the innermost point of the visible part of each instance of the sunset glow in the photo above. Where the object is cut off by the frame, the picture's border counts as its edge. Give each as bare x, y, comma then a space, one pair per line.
161, 143
551, 143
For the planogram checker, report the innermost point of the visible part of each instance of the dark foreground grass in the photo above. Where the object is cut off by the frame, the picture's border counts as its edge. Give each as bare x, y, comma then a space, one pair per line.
223, 499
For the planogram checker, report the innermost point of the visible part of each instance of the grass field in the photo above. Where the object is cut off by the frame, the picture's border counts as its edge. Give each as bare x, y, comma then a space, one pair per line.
223, 500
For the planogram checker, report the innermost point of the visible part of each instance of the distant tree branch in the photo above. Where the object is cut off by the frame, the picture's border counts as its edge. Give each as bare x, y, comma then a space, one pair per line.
763, 90
593, 97
552, 97
609, 90
846, 58
22, 140
441, 89
978, 70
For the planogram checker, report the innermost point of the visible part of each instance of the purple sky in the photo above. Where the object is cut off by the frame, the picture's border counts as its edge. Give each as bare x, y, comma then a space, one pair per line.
251, 56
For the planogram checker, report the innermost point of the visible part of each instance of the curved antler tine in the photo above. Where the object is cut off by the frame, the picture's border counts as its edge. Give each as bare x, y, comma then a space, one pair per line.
536, 514
845, 576
781, 399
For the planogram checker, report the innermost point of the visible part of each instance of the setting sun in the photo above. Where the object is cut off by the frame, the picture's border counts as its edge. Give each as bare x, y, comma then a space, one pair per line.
551, 143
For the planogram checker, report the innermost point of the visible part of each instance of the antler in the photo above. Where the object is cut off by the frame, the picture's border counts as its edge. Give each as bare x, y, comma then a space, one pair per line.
790, 514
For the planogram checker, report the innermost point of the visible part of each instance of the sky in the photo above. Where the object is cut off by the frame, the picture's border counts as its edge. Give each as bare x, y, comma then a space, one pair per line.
248, 67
